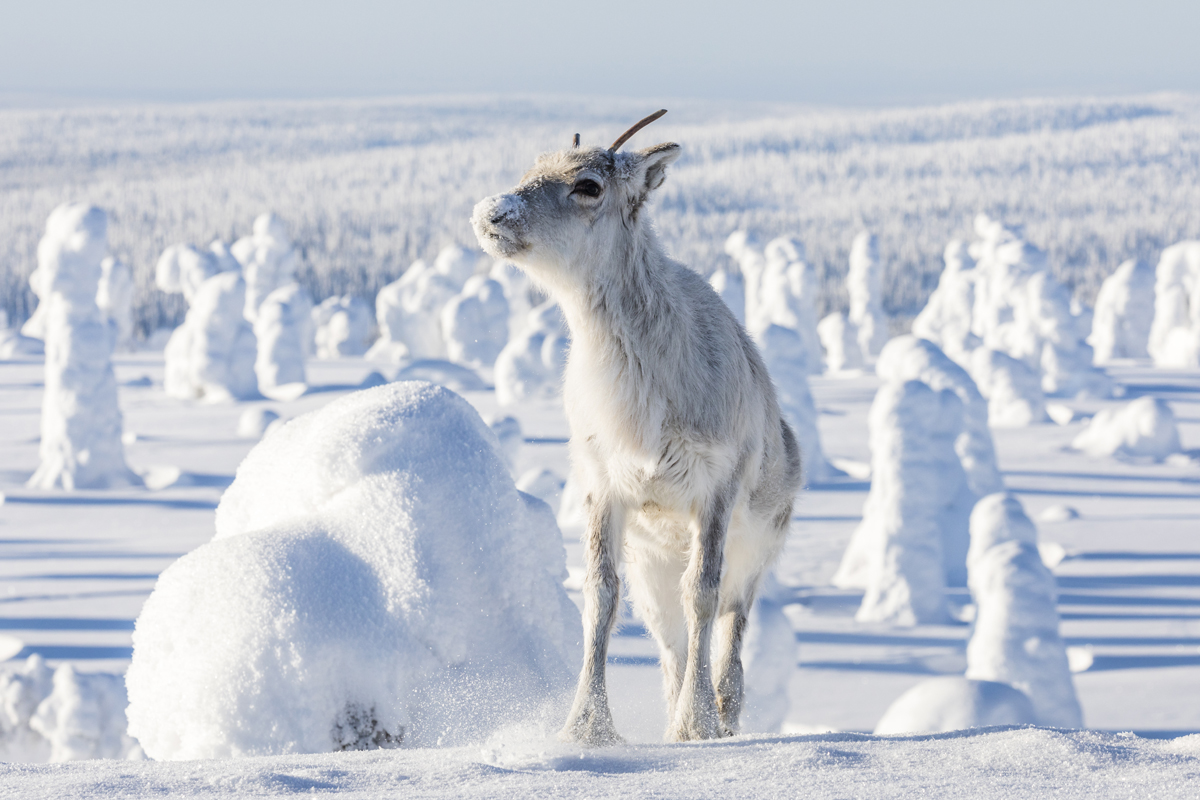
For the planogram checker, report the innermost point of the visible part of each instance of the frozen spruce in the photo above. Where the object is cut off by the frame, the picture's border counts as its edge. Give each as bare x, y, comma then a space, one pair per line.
342, 327
508, 431
1021, 310
532, 364
352, 598
211, 355
769, 660
518, 293
1124, 313
946, 320
1012, 388
896, 553
1175, 332
458, 263
62, 715
268, 261
114, 296
912, 358
1143, 428
181, 269
81, 420
955, 703
786, 358
864, 283
839, 338
13, 343
409, 314
283, 328
788, 296
544, 484
475, 323
746, 251
729, 285
1016, 639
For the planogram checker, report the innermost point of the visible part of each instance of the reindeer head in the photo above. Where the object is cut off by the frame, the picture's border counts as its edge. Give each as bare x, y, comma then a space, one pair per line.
575, 209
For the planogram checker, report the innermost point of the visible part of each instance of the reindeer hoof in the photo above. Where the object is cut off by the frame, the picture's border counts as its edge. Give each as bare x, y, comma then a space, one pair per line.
591, 729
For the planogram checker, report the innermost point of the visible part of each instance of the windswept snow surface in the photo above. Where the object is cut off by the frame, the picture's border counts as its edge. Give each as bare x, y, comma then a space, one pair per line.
983, 763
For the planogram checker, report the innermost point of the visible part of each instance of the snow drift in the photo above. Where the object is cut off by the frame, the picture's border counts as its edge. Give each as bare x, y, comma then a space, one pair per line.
375, 579
1144, 428
954, 703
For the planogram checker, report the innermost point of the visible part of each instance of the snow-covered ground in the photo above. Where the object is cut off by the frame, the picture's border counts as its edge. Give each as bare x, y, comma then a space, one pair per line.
75, 569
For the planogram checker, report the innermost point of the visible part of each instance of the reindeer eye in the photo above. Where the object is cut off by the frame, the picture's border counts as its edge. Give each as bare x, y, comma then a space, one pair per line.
587, 187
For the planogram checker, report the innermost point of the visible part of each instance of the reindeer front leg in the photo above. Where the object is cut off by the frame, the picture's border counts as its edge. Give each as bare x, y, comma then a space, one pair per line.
696, 712
590, 720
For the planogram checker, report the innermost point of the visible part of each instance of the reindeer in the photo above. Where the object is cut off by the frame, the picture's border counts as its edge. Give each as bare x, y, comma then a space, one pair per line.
688, 469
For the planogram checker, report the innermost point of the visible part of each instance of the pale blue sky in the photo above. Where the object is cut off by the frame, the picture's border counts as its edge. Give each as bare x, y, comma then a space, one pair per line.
849, 52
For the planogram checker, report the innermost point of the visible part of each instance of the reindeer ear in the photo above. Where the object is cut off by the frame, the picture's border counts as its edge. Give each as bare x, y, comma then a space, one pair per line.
653, 163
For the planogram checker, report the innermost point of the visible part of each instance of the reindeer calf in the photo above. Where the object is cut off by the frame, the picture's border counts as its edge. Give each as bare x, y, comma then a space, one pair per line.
688, 469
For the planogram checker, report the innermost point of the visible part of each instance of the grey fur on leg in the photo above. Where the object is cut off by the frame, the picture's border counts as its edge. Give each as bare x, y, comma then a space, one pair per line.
590, 720
727, 669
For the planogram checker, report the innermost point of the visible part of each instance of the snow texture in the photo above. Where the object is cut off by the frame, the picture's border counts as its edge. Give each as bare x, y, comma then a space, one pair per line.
789, 294
268, 261
1016, 639
865, 287
1124, 313
351, 599
839, 338
912, 358
1143, 428
946, 320
768, 660
342, 327
953, 703
211, 355
81, 421
896, 553
786, 358
283, 328
114, 296
1175, 332
531, 365
475, 323
1012, 389
62, 715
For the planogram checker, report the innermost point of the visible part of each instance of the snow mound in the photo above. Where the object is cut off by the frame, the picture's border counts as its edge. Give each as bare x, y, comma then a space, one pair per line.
375, 579
211, 355
1175, 332
1016, 639
512, 439
864, 284
1144, 428
954, 703
409, 314
544, 484
1058, 512
1014, 393
62, 715
342, 327
453, 376
1124, 313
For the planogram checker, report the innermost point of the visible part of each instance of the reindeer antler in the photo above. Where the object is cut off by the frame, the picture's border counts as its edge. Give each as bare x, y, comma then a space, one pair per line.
629, 133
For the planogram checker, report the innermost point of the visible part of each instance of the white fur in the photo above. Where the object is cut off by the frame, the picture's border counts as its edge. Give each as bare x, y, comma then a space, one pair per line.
687, 468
